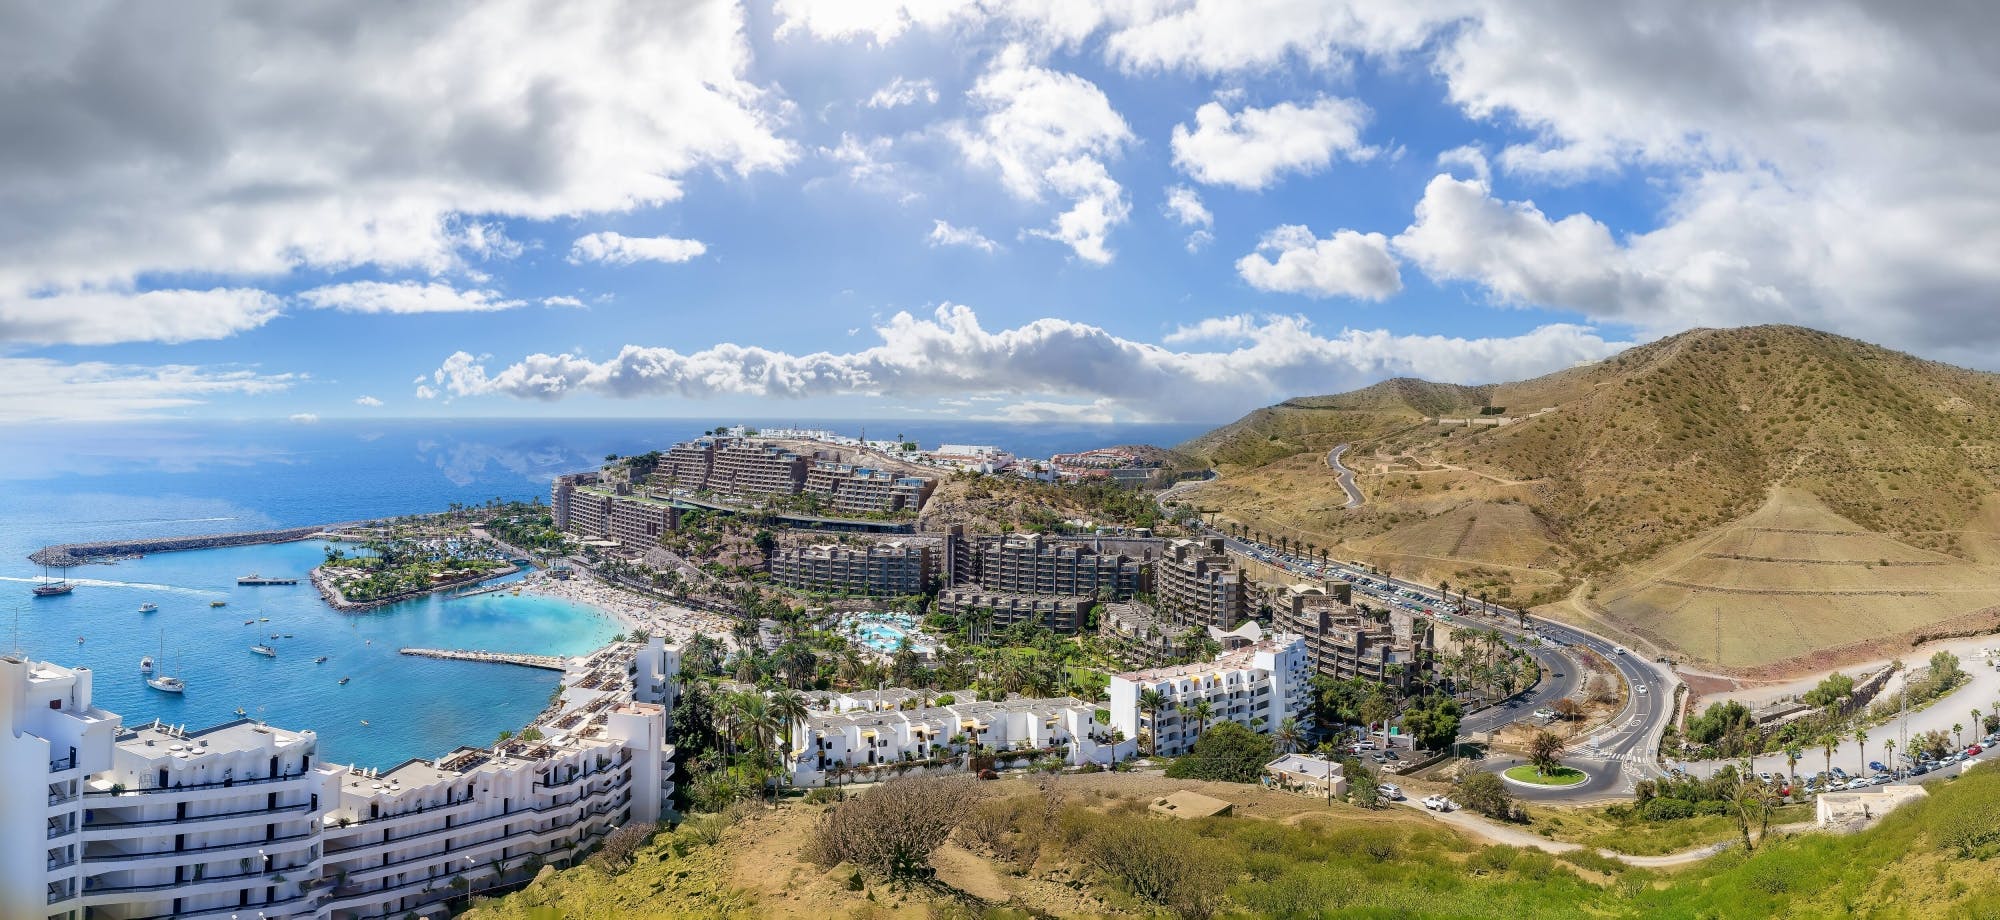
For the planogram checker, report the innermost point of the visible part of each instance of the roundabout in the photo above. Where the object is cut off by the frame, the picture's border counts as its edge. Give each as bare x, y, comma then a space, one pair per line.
1561, 776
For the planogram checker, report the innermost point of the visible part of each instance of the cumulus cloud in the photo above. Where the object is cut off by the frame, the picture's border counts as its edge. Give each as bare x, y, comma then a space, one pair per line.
369, 401
405, 297
1049, 133
97, 317
901, 92
562, 300
867, 161
303, 418
949, 353
1346, 264
341, 136
1252, 148
617, 249
42, 389
1184, 206
944, 234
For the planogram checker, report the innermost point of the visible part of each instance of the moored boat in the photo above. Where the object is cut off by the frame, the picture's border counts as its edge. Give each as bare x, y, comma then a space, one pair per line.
148, 607
264, 650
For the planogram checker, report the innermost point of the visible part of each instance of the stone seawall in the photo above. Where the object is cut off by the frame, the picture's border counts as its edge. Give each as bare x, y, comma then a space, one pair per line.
68, 554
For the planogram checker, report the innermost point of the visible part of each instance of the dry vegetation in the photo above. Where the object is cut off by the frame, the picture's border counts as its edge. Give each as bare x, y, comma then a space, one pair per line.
1748, 477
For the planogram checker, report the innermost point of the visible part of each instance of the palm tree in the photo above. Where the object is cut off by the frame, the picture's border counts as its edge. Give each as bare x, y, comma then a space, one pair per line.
1827, 743
1201, 712
1889, 754
1861, 741
1958, 730
1976, 723
1792, 753
1288, 735
1151, 700
790, 705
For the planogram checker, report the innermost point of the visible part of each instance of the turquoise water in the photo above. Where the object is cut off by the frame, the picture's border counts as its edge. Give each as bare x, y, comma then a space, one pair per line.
883, 632
415, 707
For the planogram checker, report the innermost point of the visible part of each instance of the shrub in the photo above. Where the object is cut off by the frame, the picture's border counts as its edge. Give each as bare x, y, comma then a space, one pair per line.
1227, 752
616, 853
1667, 809
1165, 863
1487, 794
895, 828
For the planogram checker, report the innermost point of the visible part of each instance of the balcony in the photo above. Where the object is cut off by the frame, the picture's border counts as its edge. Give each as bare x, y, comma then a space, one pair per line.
249, 845
102, 830
189, 887
191, 787
67, 763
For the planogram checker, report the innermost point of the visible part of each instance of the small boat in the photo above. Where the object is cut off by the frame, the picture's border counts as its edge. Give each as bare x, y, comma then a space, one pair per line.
79, 640
364, 721
264, 650
146, 665
240, 713
344, 680
288, 635
320, 660
148, 607
218, 603
249, 622
263, 619
274, 635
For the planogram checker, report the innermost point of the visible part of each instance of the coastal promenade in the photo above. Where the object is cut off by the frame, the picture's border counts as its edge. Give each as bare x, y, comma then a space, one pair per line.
545, 662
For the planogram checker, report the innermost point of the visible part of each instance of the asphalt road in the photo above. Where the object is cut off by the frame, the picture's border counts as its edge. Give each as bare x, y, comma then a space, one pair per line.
1616, 755
1354, 497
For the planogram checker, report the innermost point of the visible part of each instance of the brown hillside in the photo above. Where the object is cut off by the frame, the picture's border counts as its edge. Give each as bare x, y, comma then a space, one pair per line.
1648, 450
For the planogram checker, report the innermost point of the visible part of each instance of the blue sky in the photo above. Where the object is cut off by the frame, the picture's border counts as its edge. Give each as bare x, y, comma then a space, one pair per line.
949, 208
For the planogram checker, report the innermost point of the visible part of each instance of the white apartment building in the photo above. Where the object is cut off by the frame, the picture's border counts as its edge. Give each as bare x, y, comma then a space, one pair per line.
1257, 686
857, 745
243, 820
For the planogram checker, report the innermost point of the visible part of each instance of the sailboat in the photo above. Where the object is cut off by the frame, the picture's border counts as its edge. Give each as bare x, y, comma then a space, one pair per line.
264, 650
163, 682
55, 588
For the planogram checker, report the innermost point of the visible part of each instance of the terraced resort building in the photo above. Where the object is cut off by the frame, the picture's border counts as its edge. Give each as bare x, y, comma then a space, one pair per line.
244, 819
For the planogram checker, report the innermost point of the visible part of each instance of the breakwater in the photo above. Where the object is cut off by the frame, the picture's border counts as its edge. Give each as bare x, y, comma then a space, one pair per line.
545, 662
69, 554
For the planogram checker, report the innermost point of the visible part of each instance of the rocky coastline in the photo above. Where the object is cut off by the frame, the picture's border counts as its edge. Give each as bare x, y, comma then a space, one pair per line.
331, 593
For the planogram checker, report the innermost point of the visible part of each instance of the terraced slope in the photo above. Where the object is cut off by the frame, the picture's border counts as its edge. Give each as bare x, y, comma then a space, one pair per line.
1614, 469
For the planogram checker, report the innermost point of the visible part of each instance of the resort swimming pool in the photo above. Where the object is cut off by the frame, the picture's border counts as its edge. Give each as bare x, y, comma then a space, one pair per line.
883, 632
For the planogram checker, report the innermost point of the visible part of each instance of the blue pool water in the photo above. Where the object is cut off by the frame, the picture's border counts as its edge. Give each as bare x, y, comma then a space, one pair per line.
884, 631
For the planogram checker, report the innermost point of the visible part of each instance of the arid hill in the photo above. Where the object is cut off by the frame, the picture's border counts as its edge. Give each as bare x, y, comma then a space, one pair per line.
1580, 486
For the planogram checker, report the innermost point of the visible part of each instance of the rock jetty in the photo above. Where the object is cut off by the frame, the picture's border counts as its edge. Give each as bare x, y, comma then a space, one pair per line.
545, 662
70, 554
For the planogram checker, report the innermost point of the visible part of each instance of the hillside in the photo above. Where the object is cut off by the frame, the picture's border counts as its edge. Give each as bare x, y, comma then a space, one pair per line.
1614, 475
1082, 846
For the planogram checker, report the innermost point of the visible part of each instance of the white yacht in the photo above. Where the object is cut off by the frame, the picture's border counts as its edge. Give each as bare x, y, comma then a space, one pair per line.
162, 681
148, 607
264, 650
146, 664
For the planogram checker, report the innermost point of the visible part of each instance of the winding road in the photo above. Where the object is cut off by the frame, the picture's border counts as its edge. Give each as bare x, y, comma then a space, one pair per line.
1354, 497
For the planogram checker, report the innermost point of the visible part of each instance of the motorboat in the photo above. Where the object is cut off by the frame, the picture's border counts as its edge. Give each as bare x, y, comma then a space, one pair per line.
148, 607
218, 603
320, 660
344, 680
146, 665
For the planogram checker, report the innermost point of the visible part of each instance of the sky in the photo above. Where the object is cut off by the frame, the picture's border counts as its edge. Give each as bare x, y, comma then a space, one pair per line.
1097, 210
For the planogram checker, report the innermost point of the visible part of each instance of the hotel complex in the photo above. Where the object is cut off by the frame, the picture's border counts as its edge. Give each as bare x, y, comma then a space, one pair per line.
1257, 686
862, 742
1343, 642
1198, 584
889, 568
246, 820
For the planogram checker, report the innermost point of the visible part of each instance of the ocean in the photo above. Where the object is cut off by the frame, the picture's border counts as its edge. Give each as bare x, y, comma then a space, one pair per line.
64, 483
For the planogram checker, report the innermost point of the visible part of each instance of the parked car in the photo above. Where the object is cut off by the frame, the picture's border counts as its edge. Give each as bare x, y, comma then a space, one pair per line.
1876, 765
1392, 792
1974, 751
1437, 803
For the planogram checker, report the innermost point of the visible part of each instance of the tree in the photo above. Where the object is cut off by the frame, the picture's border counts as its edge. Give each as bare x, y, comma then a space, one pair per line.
1433, 721
1364, 788
1151, 701
1545, 751
1889, 754
1793, 752
1861, 741
1827, 743
1567, 709
894, 829
1485, 793
1201, 712
1958, 731
1229, 753
1288, 735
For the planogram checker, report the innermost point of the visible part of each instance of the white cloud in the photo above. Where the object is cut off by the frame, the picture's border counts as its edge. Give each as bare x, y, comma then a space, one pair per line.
1470, 157
1100, 411
1222, 36
1252, 148
303, 418
40, 389
339, 137
901, 92
405, 297
944, 234
369, 401
618, 249
562, 300
949, 354
96, 317
1346, 264
1184, 205
867, 161
1046, 133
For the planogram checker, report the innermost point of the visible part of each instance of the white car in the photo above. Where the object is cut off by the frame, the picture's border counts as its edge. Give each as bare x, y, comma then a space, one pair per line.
1437, 803
1392, 792
1642, 688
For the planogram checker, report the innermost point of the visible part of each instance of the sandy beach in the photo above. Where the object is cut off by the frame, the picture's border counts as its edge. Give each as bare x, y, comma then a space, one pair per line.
675, 623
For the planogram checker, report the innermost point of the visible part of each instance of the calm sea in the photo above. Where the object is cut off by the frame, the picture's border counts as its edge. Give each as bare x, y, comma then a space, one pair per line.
68, 483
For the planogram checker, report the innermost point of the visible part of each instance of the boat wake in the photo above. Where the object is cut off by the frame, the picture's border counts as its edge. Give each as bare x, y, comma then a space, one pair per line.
134, 585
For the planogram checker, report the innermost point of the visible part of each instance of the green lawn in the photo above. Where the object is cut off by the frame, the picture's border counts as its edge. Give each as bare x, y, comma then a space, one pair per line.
1560, 776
